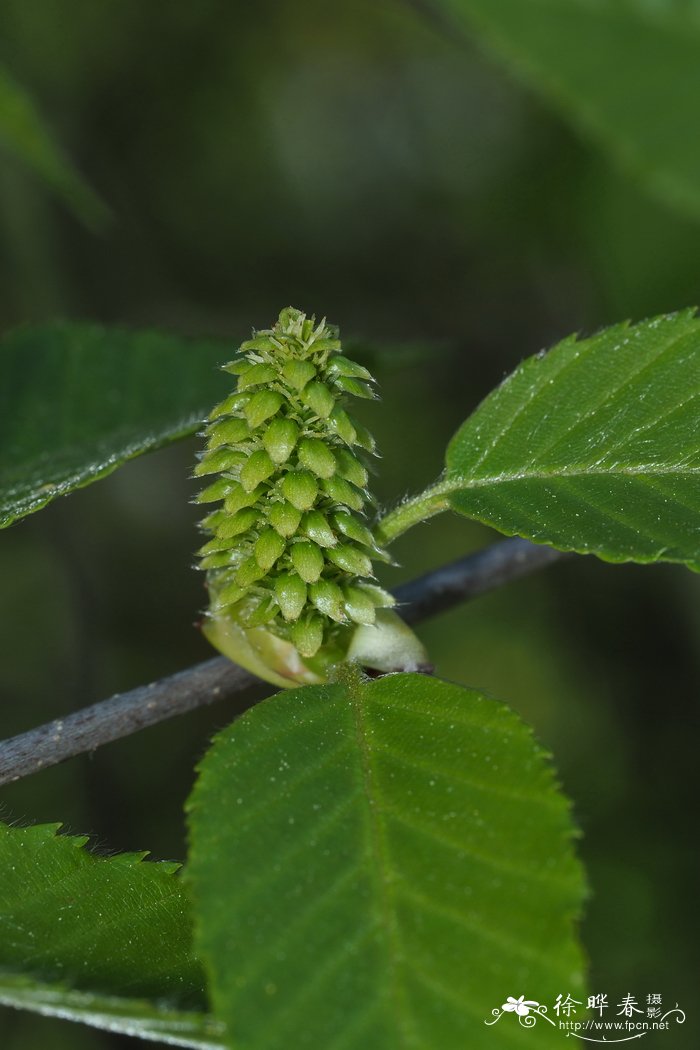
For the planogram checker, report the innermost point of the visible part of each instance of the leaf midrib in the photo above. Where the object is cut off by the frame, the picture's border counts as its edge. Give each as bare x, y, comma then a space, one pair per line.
455, 482
382, 876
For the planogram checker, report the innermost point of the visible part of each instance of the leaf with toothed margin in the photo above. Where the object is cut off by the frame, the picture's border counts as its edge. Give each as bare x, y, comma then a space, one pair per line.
379, 865
77, 401
592, 447
107, 941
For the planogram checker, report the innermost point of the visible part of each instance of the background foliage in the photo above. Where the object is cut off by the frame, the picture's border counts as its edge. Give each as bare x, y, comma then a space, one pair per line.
376, 163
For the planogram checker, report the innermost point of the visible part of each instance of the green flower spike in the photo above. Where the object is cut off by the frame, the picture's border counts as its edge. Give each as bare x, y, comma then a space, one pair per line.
289, 551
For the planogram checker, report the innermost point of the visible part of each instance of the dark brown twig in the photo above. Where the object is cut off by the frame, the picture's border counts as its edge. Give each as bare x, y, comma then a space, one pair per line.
219, 679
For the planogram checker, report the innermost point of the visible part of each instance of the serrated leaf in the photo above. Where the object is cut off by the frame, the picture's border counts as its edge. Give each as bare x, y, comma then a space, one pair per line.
104, 940
627, 75
380, 865
77, 401
24, 133
593, 447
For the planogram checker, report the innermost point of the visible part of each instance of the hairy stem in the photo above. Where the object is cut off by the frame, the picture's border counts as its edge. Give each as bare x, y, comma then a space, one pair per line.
413, 511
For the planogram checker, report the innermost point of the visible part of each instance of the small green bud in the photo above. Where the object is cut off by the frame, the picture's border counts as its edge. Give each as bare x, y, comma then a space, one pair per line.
254, 375
359, 606
300, 488
262, 406
237, 497
351, 559
349, 525
328, 599
308, 560
258, 467
315, 526
343, 366
363, 437
280, 438
382, 599
229, 595
239, 522
237, 366
229, 544
341, 491
260, 342
268, 548
343, 426
227, 432
350, 468
263, 612
232, 403
319, 399
290, 592
299, 373
221, 459
284, 518
217, 490
218, 560
307, 635
249, 572
355, 387
212, 521
316, 456
324, 345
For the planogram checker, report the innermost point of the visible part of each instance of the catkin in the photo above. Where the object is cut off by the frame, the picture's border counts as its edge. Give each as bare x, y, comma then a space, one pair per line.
289, 545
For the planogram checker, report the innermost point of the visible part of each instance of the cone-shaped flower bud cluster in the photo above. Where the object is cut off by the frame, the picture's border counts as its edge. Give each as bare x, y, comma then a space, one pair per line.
290, 548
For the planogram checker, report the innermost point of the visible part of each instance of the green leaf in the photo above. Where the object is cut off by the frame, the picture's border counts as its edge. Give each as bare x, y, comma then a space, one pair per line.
77, 401
140, 1018
105, 941
23, 132
593, 447
626, 74
380, 865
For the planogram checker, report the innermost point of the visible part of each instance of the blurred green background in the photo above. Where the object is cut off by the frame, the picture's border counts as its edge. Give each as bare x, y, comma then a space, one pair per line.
364, 161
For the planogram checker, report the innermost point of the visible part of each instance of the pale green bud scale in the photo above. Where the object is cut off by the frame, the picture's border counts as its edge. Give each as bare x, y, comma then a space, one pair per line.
300, 488
220, 459
299, 373
227, 432
350, 468
315, 526
359, 606
319, 399
351, 559
280, 438
262, 406
268, 548
258, 467
308, 560
342, 492
343, 366
307, 635
249, 572
349, 525
317, 457
328, 599
255, 375
290, 591
285, 518
237, 497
